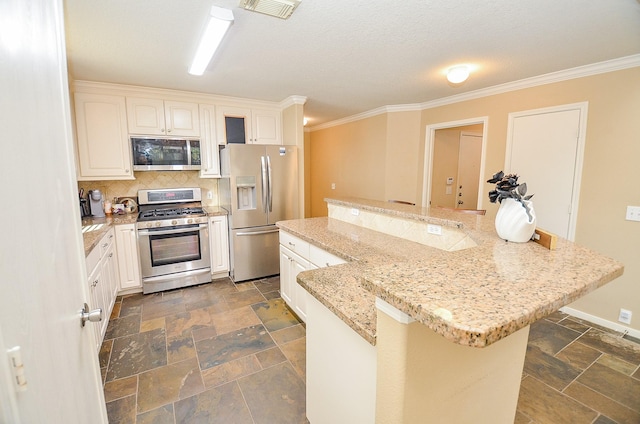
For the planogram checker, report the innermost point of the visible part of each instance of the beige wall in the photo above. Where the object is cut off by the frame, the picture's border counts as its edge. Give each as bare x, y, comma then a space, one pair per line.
402, 147
611, 173
353, 157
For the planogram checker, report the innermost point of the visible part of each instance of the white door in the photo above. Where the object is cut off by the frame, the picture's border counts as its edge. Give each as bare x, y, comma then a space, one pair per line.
42, 270
468, 171
544, 148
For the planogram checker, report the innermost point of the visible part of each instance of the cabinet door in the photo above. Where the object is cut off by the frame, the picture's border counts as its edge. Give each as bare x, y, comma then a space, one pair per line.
286, 287
300, 301
182, 119
266, 126
219, 241
234, 125
128, 257
102, 140
290, 266
111, 266
145, 116
208, 143
95, 302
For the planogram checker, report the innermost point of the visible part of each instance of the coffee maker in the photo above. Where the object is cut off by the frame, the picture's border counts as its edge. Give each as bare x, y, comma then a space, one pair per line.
95, 204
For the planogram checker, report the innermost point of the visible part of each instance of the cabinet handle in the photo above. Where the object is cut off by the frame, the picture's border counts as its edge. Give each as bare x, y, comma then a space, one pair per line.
292, 244
105, 245
95, 283
111, 256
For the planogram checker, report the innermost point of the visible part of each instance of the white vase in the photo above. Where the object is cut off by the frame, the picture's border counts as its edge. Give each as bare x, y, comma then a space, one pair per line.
513, 223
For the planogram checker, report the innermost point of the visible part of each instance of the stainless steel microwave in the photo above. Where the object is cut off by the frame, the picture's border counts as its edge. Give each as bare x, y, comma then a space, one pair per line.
165, 154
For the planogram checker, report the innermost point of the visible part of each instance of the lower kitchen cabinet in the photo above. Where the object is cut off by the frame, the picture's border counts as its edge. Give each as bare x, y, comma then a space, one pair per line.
128, 258
296, 255
103, 282
219, 244
292, 293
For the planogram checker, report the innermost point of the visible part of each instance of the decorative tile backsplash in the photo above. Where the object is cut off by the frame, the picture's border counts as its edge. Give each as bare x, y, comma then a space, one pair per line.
154, 180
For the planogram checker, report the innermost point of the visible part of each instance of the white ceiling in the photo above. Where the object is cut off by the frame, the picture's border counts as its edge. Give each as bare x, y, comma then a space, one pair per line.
346, 56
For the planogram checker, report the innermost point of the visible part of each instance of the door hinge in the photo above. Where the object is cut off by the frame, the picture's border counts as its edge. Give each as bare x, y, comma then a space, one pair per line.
17, 368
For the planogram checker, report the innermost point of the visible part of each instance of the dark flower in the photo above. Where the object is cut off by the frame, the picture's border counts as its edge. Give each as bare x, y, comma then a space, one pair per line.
507, 186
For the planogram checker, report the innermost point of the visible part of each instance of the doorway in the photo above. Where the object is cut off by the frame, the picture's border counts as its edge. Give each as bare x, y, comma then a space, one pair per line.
454, 163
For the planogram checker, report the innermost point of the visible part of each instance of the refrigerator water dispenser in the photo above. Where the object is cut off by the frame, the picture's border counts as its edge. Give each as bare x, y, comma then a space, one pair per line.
246, 187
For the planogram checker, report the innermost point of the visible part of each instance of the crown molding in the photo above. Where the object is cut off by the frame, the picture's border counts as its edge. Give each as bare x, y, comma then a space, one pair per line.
550, 78
293, 100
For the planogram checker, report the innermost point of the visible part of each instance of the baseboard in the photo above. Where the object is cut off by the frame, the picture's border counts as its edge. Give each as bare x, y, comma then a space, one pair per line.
602, 322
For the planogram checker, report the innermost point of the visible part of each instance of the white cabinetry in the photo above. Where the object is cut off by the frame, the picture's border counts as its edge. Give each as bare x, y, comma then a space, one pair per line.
208, 142
128, 258
102, 140
296, 255
103, 275
219, 244
258, 126
162, 117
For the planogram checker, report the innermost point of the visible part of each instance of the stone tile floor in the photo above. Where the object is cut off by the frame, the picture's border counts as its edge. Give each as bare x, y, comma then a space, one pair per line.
225, 353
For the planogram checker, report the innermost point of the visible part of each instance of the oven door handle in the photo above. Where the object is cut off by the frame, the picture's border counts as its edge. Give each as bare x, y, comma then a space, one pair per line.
257, 233
145, 232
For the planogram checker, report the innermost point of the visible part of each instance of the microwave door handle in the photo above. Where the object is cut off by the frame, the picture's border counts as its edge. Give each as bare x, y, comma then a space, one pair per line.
263, 172
270, 184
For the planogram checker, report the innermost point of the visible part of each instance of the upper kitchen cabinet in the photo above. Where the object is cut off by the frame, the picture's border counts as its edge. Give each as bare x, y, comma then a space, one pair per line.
208, 142
102, 140
251, 126
162, 117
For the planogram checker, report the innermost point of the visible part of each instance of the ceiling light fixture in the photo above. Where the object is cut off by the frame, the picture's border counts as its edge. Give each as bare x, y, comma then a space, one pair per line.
458, 74
219, 21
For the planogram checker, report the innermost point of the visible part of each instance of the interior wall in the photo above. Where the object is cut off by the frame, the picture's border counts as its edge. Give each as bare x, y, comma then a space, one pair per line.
402, 147
353, 156
610, 167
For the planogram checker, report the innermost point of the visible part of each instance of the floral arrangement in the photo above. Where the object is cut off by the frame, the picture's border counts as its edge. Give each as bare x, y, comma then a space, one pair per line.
507, 187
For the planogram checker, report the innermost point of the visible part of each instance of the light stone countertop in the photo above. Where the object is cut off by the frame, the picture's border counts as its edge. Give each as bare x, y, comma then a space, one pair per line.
473, 297
91, 238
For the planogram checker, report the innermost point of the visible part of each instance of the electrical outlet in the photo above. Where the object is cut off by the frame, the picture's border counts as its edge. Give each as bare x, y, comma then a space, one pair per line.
625, 316
333, 186
355, 212
434, 229
633, 213
209, 195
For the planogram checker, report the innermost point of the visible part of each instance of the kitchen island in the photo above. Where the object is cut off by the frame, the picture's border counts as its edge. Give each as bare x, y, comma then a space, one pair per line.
446, 304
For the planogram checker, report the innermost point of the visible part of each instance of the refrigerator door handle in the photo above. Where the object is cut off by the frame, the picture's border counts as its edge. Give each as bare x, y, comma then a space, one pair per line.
257, 233
270, 184
265, 188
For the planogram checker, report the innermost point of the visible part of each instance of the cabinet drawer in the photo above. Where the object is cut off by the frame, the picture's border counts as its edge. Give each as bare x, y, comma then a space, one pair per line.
92, 259
106, 242
322, 258
294, 244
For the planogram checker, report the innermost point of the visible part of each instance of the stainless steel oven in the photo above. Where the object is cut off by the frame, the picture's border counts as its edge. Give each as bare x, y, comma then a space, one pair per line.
173, 238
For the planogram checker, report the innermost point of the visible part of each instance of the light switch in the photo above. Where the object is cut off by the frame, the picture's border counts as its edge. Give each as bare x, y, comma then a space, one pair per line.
449, 180
449, 190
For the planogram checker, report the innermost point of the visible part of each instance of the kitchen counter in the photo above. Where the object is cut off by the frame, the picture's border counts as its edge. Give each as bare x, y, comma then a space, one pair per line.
474, 296
102, 225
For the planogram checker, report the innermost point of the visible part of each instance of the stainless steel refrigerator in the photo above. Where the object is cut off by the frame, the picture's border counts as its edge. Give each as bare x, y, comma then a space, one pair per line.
259, 186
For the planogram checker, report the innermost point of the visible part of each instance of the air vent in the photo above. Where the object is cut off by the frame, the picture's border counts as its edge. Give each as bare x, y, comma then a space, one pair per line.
278, 8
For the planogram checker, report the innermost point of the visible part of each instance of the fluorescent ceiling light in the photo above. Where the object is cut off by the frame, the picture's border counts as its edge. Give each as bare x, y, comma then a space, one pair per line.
458, 74
219, 21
